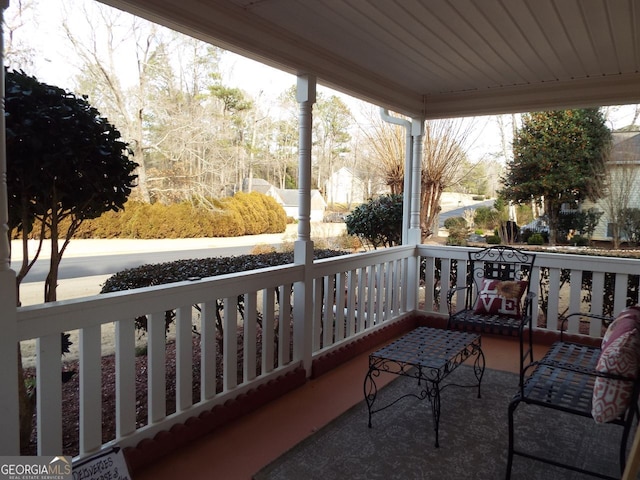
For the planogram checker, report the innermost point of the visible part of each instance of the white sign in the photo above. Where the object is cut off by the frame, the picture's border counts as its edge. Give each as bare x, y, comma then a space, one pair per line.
106, 465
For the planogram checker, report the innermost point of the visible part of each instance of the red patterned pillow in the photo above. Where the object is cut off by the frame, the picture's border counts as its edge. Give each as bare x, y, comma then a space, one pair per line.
498, 297
620, 357
627, 320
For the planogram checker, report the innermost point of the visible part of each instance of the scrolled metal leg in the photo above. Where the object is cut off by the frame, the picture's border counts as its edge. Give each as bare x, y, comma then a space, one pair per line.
370, 389
435, 408
478, 369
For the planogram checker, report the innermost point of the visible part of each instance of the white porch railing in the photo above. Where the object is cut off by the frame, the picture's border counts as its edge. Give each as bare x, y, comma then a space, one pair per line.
563, 283
351, 295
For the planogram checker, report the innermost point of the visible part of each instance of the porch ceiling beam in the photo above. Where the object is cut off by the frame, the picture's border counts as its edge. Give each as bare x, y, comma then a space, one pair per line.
596, 91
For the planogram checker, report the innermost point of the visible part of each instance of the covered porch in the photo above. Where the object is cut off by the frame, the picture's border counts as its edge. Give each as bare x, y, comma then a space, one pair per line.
317, 320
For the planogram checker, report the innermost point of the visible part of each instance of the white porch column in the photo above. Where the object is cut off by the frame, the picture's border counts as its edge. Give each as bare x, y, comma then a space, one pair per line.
417, 132
303, 248
408, 170
9, 420
414, 236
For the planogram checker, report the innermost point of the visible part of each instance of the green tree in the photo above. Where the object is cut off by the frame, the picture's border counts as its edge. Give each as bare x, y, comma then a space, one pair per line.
65, 164
559, 157
378, 222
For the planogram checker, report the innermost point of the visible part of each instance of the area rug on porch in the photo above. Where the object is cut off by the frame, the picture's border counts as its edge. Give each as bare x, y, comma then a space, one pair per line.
473, 439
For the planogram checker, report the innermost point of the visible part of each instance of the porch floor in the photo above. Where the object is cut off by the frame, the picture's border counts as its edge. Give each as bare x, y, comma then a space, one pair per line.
241, 448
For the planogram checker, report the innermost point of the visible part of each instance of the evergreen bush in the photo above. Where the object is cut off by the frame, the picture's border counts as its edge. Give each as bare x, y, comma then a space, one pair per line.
535, 239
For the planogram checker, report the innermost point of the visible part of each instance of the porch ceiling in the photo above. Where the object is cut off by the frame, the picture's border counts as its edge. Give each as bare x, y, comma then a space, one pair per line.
436, 58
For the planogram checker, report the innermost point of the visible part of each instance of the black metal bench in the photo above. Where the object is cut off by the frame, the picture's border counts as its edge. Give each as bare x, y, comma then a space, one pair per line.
564, 380
496, 297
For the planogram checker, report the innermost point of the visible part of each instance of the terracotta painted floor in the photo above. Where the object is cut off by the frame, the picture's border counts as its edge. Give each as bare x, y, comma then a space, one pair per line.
242, 448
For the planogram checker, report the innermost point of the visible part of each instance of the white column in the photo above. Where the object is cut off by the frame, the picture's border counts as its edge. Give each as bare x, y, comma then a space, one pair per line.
417, 133
303, 248
306, 97
414, 236
9, 420
408, 170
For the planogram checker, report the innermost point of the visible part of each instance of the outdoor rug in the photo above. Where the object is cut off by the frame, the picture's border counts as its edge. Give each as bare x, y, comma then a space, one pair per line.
473, 439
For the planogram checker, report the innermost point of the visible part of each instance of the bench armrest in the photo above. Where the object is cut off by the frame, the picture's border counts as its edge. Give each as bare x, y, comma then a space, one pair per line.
606, 320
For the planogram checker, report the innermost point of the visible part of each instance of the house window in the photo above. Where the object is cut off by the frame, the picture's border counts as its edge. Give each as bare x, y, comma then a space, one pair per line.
610, 230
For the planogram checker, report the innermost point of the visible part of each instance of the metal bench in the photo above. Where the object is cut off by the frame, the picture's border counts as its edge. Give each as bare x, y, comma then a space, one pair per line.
564, 380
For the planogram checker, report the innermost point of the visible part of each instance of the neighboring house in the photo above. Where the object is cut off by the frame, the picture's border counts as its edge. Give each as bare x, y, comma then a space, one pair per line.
624, 182
288, 198
348, 187
259, 185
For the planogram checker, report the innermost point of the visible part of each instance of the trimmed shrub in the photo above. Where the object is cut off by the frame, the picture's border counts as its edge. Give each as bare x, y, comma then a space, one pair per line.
242, 214
579, 241
493, 239
182, 270
455, 222
535, 239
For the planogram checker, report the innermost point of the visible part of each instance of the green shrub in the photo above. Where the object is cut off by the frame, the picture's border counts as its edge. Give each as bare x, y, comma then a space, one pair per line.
453, 222
456, 241
579, 241
477, 198
486, 217
242, 214
182, 270
493, 239
378, 222
535, 239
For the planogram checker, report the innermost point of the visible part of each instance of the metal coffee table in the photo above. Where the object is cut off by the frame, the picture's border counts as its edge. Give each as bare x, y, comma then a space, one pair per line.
429, 355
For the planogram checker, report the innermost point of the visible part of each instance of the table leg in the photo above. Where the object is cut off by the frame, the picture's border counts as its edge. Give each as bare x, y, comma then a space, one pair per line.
434, 398
370, 389
478, 368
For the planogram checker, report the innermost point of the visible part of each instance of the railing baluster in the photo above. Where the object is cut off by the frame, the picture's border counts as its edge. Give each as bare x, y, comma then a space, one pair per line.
284, 325
184, 358
620, 293
351, 303
319, 323
125, 378
328, 319
339, 306
230, 344
360, 303
445, 275
553, 298
371, 296
597, 298
268, 324
380, 272
250, 334
49, 395
156, 367
90, 389
208, 349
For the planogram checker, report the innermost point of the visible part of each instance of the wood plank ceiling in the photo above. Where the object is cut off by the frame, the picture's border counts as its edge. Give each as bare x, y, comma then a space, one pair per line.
431, 58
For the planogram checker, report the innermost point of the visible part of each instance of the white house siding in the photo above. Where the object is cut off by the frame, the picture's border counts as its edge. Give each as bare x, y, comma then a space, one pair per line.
624, 162
345, 187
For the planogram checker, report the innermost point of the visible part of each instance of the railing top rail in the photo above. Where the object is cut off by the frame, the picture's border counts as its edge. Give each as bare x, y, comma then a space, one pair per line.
127, 304
571, 261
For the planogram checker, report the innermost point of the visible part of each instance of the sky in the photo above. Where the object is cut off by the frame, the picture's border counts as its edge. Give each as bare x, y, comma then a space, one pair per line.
52, 66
